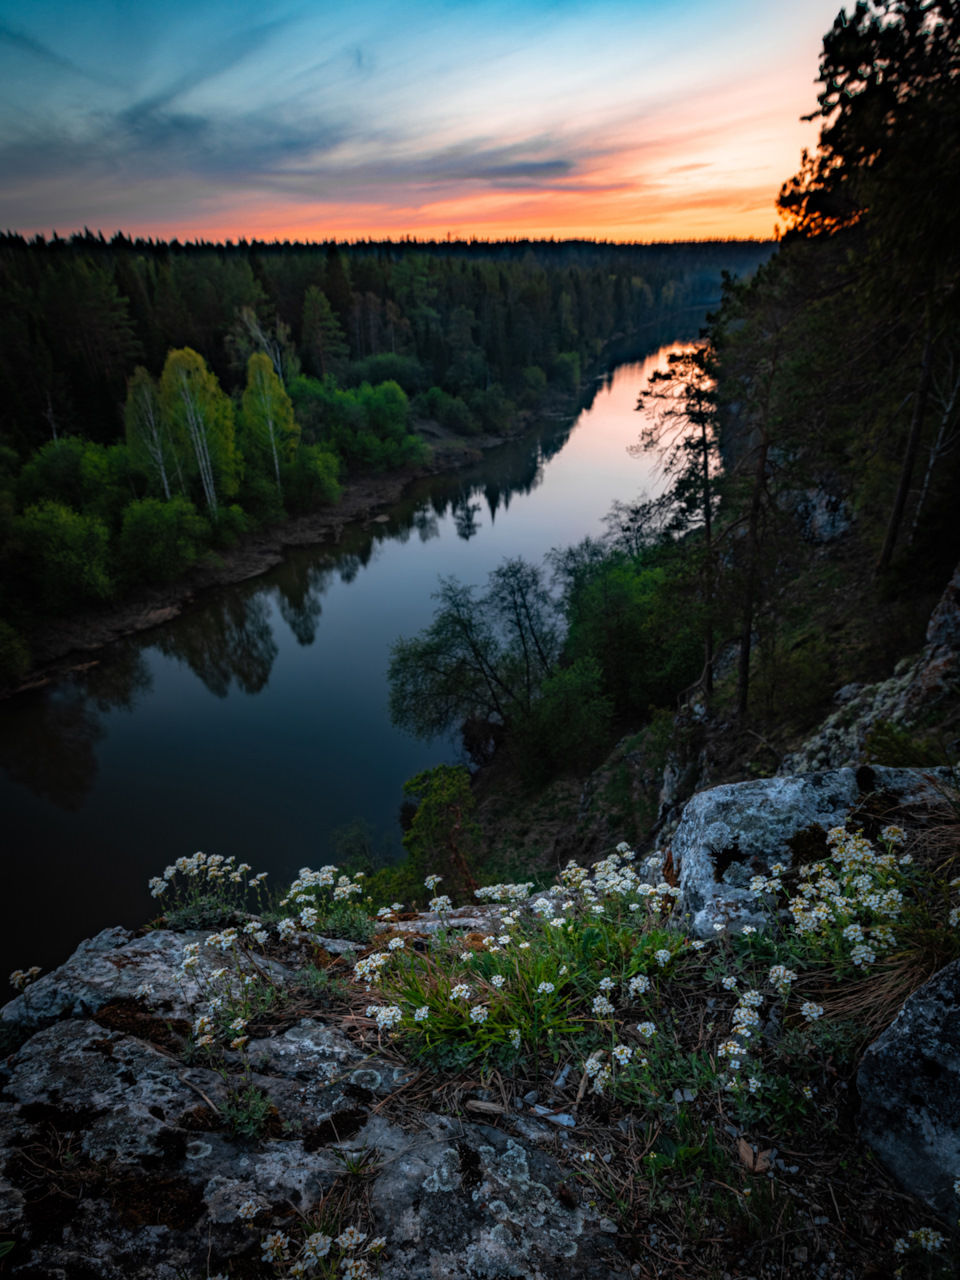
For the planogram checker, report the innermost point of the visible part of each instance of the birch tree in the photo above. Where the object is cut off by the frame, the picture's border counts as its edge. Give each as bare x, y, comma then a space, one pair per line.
267, 414
147, 436
200, 417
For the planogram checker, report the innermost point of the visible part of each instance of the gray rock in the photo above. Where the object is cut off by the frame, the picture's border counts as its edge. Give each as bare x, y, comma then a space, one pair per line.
308, 1051
823, 516
468, 1202
909, 1083
112, 966
731, 833
118, 1162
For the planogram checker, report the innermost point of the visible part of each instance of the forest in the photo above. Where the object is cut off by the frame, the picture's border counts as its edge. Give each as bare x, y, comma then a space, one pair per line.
159, 400
812, 449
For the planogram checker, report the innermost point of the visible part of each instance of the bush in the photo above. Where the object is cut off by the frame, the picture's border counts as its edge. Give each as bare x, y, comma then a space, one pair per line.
568, 723
159, 540
311, 478
567, 370
90, 478
65, 554
368, 427
406, 371
232, 523
14, 653
450, 411
531, 386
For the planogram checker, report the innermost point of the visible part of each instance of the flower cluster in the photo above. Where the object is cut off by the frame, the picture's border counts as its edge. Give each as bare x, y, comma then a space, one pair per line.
503, 892
348, 1256
387, 1016
368, 969
20, 979
853, 895
205, 877
924, 1238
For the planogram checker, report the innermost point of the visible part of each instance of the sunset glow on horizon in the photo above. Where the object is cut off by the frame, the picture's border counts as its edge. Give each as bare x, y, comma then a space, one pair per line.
299, 121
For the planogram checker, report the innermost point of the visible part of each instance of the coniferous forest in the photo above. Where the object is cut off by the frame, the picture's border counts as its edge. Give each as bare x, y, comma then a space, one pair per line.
159, 400
812, 447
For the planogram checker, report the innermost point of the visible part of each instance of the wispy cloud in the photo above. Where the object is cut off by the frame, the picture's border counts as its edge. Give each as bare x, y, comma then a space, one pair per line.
566, 118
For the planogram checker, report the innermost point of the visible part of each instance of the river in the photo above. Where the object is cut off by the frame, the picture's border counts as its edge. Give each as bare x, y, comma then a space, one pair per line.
256, 723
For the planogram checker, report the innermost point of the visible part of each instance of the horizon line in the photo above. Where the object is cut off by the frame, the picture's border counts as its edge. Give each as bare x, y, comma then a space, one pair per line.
98, 237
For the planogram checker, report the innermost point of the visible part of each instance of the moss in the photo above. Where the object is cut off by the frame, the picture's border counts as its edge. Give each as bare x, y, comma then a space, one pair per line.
808, 845
166, 1202
129, 1017
337, 1129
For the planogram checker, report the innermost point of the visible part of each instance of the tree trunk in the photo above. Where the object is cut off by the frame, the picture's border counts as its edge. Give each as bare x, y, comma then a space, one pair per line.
746, 632
909, 457
708, 539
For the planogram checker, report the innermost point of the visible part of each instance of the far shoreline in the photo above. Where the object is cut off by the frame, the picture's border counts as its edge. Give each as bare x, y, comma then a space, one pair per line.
61, 646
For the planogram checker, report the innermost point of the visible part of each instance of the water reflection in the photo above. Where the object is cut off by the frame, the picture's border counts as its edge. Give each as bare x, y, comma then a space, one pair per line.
49, 738
299, 583
229, 641
465, 519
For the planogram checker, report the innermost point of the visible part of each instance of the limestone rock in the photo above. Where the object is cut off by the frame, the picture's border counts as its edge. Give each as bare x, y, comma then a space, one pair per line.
736, 831
113, 966
466, 1201
118, 1162
823, 516
909, 1083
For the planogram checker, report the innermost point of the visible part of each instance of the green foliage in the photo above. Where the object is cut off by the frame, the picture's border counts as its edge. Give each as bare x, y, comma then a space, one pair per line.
93, 479
312, 478
149, 437
269, 433
567, 370
324, 346
159, 540
367, 427
65, 555
531, 385
14, 653
890, 744
247, 1110
630, 616
569, 722
199, 419
450, 411
345, 920
793, 680
442, 833
406, 371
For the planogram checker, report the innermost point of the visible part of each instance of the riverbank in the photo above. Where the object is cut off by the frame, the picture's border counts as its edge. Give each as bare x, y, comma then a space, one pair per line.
63, 645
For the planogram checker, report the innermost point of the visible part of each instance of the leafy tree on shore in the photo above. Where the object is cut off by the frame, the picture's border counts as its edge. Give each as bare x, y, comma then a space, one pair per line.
199, 417
267, 415
148, 436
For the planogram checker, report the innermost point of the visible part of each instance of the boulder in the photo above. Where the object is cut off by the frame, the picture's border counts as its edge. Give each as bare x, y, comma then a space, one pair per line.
118, 1160
909, 1084
731, 833
113, 966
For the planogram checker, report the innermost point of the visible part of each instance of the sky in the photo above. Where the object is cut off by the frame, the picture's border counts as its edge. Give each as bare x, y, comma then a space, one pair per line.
216, 119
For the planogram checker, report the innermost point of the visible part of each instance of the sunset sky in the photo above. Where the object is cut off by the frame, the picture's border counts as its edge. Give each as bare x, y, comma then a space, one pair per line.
310, 120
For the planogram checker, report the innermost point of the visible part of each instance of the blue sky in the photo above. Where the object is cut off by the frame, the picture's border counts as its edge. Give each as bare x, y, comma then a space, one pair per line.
643, 120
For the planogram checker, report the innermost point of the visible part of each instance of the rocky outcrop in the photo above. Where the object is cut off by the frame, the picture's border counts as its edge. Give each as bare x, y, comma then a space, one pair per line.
909, 1084
731, 833
917, 688
117, 1161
